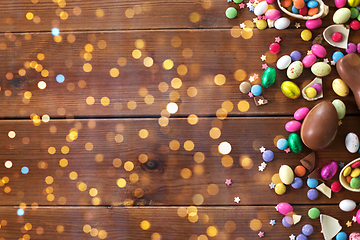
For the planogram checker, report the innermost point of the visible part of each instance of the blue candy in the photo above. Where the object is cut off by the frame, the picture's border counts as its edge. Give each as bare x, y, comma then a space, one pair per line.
307, 229
312, 4
295, 55
337, 55
295, 10
297, 183
282, 144
268, 156
256, 90
312, 182
341, 236
287, 221
301, 237
312, 194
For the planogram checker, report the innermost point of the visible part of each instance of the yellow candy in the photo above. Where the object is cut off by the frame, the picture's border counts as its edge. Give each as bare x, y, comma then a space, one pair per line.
280, 189
306, 35
347, 171
270, 7
353, 3
310, 92
290, 89
355, 172
261, 24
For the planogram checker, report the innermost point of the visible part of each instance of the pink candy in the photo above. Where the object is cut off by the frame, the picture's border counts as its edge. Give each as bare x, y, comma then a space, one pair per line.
274, 48
313, 23
318, 50
301, 113
284, 208
309, 60
355, 25
273, 14
293, 126
354, 236
355, 164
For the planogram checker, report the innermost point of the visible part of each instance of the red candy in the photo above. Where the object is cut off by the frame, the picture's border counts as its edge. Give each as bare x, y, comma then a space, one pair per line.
274, 48
355, 25
355, 164
336, 186
337, 37
303, 11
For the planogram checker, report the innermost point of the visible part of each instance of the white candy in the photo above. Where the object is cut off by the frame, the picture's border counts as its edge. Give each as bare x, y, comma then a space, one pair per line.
282, 23
283, 62
347, 205
261, 8
352, 142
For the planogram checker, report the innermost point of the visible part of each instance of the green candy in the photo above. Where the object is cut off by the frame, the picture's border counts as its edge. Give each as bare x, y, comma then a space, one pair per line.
355, 183
268, 77
295, 143
231, 12
313, 213
238, 1
354, 13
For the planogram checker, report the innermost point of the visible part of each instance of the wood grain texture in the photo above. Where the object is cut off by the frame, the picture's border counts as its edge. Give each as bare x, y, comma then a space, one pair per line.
124, 15
135, 82
125, 223
172, 174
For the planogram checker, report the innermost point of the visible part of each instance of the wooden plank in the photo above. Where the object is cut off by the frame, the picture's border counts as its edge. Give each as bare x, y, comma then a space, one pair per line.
125, 15
135, 91
164, 222
174, 165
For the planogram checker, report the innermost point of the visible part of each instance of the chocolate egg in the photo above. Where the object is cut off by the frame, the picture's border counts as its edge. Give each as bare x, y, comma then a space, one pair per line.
328, 171
320, 126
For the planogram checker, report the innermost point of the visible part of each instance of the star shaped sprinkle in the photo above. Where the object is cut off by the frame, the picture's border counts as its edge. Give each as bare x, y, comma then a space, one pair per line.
263, 57
348, 224
251, 79
262, 167
262, 149
263, 164
259, 17
249, 4
354, 218
229, 1
326, 60
272, 222
264, 66
261, 234
292, 237
297, 25
256, 76
255, 20
264, 17
228, 182
261, 102
339, 122
251, 9
272, 186
237, 199
287, 150
341, 164
250, 94
277, 39
242, 25
242, 5
333, 62
309, 52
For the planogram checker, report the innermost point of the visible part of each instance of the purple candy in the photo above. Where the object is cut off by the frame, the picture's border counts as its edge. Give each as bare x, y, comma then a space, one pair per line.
297, 183
312, 194
328, 171
351, 48
268, 156
301, 237
307, 229
317, 87
295, 55
287, 221
358, 47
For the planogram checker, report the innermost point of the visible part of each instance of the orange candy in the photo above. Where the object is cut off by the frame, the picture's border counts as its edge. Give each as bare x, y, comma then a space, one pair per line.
348, 179
313, 11
299, 4
300, 171
286, 3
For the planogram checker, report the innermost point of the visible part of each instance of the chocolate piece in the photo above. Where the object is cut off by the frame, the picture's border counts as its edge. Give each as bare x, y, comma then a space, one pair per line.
260, 100
318, 39
320, 126
309, 161
316, 174
348, 67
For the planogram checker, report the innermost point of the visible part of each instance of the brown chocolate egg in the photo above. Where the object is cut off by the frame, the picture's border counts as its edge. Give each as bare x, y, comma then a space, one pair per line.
320, 126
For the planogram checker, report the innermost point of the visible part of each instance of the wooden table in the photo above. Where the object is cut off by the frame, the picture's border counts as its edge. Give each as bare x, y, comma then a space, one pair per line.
111, 129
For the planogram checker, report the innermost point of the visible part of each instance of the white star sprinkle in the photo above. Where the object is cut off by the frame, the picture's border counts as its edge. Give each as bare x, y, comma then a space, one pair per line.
326, 60
292, 237
251, 79
272, 222
354, 218
237, 199
249, 4
262, 149
242, 25
333, 62
272, 185
262, 166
